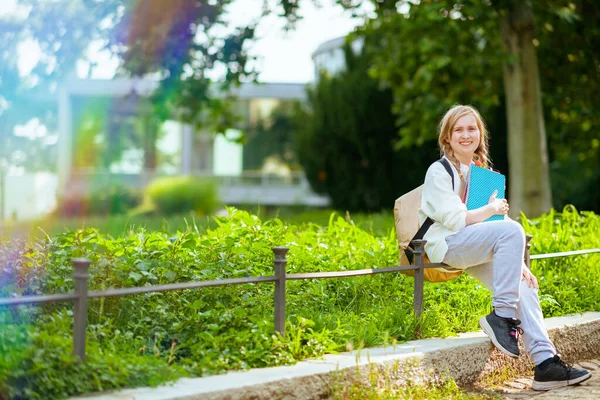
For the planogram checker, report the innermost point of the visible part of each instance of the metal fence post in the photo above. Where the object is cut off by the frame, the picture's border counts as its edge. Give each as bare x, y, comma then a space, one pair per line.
280, 263
528, 250
419, 255
81, 276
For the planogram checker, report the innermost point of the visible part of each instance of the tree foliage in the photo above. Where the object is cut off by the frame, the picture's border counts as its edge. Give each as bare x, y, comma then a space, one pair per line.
432, 59
178, 43
430, 54
345, 141
569, 34
17, 107
437, 53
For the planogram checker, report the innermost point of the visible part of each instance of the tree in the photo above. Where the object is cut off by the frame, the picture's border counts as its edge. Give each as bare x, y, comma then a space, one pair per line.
437, 53
345, 141
23, 100
16, 107
431, 54
527, 149
570, 66
177, 42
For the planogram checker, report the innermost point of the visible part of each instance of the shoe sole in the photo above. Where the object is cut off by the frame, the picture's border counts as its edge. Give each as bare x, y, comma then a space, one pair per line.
543, 386
487, 329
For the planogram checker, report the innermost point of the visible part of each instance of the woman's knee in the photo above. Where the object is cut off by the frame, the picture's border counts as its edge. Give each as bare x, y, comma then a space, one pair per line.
512, 228
513, 225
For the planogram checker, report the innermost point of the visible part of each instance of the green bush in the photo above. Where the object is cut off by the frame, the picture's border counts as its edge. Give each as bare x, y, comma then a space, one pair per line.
38, 364
172, 195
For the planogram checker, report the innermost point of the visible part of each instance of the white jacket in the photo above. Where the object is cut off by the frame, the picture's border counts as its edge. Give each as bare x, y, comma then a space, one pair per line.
444, 206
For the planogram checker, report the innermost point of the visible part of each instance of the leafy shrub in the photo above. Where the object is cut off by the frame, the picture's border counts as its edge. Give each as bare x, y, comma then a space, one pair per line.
110, 200
39, 365
21, 274
172, 195
211, 330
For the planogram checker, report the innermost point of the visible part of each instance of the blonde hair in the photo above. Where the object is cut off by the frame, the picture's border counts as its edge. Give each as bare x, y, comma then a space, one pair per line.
445, 132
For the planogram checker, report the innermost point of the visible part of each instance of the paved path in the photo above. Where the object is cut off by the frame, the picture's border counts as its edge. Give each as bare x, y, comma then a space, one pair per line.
519, 389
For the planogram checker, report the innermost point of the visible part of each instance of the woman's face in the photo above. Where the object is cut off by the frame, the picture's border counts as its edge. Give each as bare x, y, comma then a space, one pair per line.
464, 138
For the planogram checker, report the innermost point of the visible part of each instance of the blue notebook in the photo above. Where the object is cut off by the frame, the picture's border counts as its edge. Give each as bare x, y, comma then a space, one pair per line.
482, 183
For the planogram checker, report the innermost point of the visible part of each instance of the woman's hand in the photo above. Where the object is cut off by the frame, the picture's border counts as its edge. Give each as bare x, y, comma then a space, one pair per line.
494, 206
529, 278
500, 206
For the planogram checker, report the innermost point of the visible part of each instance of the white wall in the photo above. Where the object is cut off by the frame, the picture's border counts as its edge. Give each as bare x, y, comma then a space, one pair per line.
227, 154
29, 196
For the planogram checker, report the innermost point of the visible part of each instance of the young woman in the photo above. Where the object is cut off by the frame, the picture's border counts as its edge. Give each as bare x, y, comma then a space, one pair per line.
490, 251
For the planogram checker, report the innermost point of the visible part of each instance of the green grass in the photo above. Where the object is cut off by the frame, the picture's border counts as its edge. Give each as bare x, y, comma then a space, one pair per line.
114, 225
121, 225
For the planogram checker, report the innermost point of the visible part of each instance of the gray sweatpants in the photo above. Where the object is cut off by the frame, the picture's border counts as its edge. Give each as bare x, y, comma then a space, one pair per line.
493, 253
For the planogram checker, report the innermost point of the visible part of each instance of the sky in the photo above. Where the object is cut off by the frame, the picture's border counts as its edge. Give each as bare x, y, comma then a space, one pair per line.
283, 56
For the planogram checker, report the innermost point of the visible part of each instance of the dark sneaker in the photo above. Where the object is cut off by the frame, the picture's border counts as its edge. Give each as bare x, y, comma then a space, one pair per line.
558, 374
504, 333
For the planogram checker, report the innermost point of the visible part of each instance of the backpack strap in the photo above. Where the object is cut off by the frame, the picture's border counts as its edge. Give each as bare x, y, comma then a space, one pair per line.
428, 222
446, 165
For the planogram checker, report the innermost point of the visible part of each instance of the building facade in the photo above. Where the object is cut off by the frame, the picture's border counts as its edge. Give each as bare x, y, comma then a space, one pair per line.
189, 151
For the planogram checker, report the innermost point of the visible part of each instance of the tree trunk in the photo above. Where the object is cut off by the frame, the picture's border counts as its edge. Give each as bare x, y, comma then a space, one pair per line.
529, 181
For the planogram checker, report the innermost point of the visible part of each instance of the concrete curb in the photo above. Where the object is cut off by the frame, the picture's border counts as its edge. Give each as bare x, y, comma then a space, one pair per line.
466, 358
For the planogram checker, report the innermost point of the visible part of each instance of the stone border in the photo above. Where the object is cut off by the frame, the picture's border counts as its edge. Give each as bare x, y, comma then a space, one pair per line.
467, 358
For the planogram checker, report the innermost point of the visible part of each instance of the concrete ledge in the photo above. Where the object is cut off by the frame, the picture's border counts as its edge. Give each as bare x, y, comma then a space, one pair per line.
466, 358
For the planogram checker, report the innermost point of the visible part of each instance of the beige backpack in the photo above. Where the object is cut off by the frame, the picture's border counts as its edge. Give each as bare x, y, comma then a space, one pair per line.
406, 216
